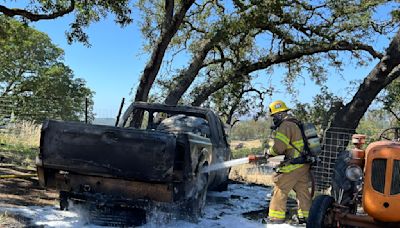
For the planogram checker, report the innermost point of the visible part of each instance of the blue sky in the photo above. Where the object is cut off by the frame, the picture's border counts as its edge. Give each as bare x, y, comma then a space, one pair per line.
113, 64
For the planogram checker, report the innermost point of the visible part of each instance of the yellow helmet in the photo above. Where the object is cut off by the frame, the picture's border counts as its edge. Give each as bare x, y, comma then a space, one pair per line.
277, 106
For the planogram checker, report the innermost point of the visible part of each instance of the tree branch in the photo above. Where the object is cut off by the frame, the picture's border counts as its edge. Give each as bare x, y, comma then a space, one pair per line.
239, 4
193, 28
246, 68
36, 17
201, 8
8, 88
393, 113
239, 96
234, 122
218, 61
185, 78
169, 12
153, 66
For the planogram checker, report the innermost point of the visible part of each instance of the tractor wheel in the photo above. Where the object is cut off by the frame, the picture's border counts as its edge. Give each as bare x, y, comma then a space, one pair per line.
321, 212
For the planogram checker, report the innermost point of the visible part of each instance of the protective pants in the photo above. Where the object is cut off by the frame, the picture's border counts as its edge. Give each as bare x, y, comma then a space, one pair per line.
298, 180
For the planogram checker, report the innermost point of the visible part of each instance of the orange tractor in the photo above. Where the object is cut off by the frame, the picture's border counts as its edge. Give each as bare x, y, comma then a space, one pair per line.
370, 178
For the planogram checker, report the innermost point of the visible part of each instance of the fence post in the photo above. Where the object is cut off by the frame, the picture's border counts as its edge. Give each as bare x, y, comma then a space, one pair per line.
86, 110
119, 111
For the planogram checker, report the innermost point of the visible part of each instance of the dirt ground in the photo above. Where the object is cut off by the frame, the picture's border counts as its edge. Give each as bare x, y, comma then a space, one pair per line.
17, 192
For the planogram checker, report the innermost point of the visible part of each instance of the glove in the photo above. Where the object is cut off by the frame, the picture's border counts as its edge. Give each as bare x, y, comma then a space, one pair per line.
266, 152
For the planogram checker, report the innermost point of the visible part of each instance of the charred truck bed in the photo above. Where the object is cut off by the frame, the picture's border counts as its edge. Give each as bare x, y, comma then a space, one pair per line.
128, 167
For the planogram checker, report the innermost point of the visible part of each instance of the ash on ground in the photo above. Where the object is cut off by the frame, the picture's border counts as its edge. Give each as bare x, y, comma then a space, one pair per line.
241, 206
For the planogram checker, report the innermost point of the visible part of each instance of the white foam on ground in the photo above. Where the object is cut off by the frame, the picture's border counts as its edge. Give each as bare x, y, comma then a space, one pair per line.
221, 210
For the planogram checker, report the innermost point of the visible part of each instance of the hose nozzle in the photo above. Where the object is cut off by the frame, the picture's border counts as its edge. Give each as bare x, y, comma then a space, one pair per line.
256, 158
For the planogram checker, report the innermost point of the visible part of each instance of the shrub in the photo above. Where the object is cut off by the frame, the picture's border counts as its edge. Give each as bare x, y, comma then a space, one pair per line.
243, 152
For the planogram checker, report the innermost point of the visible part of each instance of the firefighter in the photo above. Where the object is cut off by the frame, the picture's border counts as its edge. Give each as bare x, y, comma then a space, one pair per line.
287, 140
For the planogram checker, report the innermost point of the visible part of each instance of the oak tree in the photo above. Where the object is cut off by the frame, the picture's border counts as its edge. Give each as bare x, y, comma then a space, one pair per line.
34, 81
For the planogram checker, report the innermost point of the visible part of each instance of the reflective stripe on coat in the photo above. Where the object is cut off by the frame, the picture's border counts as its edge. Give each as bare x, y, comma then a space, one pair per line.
286, 134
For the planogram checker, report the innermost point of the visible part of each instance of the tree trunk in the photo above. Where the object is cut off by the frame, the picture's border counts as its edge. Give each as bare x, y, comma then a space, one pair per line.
153, 66
207, 91
186, 78
382, 75
346, 120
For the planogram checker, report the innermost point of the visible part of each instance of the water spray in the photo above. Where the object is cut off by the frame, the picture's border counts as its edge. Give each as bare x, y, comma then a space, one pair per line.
240, 161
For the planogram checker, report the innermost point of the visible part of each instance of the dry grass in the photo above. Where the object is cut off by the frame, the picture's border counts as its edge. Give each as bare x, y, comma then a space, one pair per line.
19, 143
3, 217
250, 173
256, 173
247, 144
21, 134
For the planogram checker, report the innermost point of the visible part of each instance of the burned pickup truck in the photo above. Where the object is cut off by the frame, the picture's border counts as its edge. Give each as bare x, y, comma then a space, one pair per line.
153, 159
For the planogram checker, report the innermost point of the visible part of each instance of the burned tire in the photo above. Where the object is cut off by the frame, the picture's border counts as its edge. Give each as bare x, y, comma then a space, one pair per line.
64, 201
222, 187
196, 204
321, 212
202, 194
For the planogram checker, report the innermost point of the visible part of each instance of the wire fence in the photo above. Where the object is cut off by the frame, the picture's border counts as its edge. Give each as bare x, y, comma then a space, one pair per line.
6, 107
40, 108
335, 140
20, 119
54, 108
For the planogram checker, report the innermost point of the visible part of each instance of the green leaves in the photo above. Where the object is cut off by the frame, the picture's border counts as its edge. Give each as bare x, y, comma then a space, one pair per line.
33, 78
86, 12
390, 100
305, 37
321, 111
